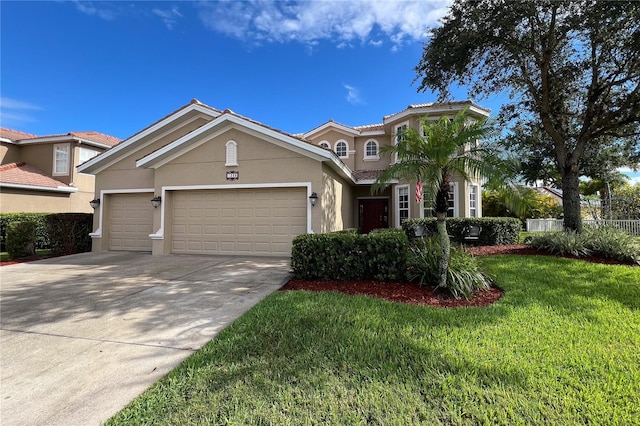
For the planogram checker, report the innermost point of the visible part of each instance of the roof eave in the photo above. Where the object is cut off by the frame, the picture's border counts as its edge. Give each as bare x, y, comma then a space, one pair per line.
62, 189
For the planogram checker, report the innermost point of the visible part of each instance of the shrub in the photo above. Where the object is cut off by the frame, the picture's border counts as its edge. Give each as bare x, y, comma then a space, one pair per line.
495, 230
605, 241
69, 232
42, 237
464, 276
346, 255
21, 239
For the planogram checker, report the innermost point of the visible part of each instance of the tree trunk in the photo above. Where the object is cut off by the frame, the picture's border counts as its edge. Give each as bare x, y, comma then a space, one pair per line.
571, 199
445, 252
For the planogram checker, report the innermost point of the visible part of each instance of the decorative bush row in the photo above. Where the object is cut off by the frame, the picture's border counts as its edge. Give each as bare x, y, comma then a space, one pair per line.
379, 255
21, 239
495, 231
69, 232
63, 233
42, 237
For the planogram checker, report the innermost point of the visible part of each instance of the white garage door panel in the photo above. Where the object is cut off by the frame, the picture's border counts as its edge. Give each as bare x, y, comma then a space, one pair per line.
131, 222
227, 221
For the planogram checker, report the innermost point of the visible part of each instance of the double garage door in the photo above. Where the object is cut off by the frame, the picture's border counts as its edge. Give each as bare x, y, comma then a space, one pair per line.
238, 221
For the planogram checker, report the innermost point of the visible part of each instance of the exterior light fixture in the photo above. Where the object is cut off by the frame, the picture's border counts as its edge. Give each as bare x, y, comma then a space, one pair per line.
155, 201
313, 198
94, 203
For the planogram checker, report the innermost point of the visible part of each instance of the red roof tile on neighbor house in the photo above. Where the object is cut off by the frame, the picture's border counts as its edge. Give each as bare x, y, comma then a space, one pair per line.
14, 135
23, 174
97, 137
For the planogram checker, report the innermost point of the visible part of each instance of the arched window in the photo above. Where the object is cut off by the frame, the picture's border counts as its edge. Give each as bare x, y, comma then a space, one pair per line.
232, 153
342, 149
325, 144
371, 150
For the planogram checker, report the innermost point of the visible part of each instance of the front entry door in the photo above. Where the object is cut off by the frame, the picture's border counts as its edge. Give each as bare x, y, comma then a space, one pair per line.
374, 214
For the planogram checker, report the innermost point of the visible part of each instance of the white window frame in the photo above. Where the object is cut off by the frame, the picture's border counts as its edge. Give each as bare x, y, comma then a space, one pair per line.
473, 200
400, 207
346, 144
231, 153
453, 208
62, 148
400, 127
367, 156
325, 144
86, 154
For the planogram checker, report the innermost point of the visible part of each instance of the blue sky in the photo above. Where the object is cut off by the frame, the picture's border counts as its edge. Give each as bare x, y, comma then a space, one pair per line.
118, 66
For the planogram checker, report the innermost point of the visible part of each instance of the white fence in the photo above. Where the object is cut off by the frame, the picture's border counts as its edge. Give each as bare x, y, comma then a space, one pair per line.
542, 225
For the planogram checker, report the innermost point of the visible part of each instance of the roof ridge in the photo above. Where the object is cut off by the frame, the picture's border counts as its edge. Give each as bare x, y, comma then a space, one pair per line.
10, 166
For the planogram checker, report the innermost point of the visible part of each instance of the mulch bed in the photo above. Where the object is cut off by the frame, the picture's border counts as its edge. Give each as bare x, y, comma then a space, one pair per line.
25, 259
412, 293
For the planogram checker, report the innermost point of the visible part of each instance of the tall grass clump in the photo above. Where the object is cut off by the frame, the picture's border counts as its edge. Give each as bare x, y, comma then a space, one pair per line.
604, 241
464, 276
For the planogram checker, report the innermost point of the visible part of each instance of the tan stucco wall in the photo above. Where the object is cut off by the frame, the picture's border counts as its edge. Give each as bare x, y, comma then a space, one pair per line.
362, 164
16, 201
333, 136
9, 153
337, 202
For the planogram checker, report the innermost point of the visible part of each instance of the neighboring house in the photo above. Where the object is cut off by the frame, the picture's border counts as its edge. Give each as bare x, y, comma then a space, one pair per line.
226, 184
38, 173
554, 193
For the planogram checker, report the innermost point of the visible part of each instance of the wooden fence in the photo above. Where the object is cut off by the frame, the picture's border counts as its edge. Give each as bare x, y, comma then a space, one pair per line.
543, 225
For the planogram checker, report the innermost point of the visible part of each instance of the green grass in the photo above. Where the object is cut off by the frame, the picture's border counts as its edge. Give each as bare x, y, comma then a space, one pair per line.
561, 348
5, 256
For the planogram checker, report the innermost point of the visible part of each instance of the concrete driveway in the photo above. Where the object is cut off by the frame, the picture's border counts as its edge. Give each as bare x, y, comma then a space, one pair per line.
83, 335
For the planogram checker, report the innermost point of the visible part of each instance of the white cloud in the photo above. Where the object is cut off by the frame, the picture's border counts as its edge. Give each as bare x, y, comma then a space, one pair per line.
14, 112
344, 22
353, 95
88, 8
169, 16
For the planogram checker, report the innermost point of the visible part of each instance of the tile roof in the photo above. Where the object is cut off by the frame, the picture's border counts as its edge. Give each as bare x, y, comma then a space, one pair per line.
367, 174
438, 104
14, 135
97, 137
23, 174
370, 127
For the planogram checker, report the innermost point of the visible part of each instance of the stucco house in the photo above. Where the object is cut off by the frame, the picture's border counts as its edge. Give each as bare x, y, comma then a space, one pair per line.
222, 183
38, 174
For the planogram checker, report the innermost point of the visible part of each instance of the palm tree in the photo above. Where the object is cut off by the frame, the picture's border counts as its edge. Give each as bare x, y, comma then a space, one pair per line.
448, 148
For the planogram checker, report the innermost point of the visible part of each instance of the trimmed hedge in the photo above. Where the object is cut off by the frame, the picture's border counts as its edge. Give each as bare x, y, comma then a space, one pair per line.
495, 230
380, 255
42, 237
21, 239
69, 232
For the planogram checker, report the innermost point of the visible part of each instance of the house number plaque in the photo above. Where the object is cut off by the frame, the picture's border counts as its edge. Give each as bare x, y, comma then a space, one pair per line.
233, 175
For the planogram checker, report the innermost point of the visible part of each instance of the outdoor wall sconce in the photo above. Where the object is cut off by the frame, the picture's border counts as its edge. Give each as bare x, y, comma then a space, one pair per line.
155, 201
94, 203
313, 198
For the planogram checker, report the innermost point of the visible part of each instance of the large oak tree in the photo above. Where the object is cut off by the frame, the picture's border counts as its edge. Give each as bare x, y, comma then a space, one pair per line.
572, 66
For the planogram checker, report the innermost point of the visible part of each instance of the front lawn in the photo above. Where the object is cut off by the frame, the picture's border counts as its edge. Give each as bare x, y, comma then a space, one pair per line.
560, 347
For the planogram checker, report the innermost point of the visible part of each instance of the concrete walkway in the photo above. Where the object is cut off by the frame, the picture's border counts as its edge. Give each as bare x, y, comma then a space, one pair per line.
82, 335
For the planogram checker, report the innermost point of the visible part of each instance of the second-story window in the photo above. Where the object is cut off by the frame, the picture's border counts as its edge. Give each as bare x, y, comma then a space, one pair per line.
371, 150
61, 159
232, 154
342, 149
325, 145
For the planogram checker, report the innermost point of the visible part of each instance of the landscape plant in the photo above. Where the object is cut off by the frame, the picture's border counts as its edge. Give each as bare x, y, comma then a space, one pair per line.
465, 275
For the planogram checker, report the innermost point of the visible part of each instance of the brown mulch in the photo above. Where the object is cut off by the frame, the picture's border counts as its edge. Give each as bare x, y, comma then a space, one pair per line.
25, 259
412, 293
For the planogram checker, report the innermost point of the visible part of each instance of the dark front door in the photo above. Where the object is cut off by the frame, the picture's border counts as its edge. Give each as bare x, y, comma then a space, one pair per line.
374, 213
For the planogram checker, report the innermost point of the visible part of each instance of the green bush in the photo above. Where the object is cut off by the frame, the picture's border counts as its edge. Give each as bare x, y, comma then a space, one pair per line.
21, 239
604, 241
42, 237
69, 232
496, 231
379, 255
464, 276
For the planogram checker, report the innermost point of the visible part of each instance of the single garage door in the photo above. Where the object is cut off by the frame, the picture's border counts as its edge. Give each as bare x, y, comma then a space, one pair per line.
131, 222
243, 221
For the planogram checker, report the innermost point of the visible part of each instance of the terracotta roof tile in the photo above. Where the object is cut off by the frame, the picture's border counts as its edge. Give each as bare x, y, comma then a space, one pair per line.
367, 174
14, 135
436, 105
97, 137
369, 127
23, 174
